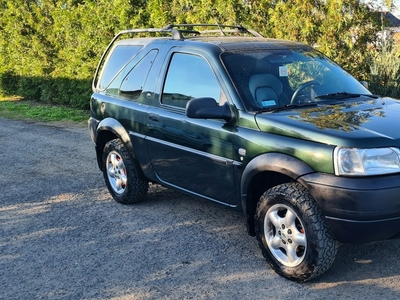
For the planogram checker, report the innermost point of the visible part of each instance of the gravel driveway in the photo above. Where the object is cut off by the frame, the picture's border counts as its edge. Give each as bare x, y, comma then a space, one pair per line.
63, 237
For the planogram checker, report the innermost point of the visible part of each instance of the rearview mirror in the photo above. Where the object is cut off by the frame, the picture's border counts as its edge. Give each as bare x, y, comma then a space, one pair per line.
365, 84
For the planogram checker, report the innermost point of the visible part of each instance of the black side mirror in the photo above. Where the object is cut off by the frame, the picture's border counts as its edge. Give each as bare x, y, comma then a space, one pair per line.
207, 108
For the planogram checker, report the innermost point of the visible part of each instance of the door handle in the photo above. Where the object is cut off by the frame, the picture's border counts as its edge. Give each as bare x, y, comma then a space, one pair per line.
154, 117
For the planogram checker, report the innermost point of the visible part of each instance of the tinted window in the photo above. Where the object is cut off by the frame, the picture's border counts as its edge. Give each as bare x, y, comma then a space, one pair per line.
189, 76
118, 58
133, 83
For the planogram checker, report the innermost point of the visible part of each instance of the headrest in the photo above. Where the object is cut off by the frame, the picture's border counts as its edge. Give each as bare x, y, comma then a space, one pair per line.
265, 80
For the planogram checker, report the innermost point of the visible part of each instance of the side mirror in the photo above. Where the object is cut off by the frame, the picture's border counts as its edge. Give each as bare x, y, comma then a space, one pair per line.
207, 108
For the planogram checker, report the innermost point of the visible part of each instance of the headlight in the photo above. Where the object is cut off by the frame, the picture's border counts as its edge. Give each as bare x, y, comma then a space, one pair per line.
365, 162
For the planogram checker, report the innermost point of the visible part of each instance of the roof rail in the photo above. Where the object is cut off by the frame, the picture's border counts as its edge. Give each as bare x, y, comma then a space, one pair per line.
177, 30
220, 28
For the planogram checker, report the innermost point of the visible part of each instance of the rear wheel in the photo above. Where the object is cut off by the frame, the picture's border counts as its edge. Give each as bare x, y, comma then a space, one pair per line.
292, 233
120, 174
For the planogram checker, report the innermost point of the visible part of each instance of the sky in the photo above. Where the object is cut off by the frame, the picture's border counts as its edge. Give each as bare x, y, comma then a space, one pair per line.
396, 11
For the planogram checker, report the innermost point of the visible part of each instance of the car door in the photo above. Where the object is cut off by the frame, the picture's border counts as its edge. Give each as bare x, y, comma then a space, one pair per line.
191, 154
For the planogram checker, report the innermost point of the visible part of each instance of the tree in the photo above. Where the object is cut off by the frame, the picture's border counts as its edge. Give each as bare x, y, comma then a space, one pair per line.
342, 29
26, 48
49, 49
348, 32
165, 12
298, 20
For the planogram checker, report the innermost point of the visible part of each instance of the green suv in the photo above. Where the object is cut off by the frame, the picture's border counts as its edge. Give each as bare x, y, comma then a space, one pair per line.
269, 127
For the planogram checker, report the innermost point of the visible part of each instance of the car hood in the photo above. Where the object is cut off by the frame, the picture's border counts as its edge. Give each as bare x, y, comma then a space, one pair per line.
361, 123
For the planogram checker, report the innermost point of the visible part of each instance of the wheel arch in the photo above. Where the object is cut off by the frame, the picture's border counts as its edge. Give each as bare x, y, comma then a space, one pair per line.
109, 129
264, 172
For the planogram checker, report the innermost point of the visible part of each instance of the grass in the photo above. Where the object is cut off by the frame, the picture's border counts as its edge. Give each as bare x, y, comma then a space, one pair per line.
17, 108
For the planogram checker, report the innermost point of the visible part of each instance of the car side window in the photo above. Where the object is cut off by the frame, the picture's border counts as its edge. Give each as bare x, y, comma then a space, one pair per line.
120, 56
133, 83
189, 76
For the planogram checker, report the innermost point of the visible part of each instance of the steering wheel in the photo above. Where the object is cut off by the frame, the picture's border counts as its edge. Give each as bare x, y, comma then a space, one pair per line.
302, 87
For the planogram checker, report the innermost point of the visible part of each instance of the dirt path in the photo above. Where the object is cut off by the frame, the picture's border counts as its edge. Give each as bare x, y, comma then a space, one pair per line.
63, 237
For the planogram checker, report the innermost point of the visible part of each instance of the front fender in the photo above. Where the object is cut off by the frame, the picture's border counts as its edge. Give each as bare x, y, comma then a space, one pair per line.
273, 162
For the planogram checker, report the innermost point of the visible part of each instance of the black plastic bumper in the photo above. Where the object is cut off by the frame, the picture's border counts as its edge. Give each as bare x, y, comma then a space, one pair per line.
358, 210
92, 127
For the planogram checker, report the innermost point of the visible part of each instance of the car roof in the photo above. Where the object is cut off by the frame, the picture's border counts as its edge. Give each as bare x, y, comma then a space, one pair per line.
242, 43
225, 37
222, 42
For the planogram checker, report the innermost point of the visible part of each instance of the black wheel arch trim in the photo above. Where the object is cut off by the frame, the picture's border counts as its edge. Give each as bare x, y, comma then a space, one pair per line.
269, 162
116, 128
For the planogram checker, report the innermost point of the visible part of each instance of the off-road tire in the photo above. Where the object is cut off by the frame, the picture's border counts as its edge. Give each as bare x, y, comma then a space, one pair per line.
120, 174
309, 241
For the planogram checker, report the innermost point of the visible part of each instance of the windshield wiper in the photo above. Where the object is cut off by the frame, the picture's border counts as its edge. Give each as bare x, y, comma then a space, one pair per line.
288, 106
345, 95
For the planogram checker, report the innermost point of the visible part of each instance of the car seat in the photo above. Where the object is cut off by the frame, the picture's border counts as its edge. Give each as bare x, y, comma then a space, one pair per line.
266, 90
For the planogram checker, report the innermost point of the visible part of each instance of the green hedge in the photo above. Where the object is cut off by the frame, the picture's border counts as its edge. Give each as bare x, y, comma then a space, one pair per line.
71, 92
49, 49
385, 73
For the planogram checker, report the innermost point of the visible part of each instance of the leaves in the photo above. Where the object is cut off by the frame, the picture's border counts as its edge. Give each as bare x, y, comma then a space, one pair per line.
296, 20
52, 47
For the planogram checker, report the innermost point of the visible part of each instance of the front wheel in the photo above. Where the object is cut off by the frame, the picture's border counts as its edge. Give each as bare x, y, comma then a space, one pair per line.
293, 234
120, 174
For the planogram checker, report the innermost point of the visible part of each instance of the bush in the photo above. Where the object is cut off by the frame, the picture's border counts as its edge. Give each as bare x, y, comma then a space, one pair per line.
49, 49
385, 73
8, 83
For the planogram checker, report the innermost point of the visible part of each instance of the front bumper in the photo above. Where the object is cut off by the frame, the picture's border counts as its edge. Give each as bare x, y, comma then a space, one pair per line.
358, 210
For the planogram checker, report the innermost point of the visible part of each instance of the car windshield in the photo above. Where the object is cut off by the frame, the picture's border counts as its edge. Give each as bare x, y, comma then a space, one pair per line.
270, 79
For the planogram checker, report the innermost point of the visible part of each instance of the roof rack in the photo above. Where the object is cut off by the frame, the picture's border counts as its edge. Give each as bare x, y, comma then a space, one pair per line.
177, 30
222, 29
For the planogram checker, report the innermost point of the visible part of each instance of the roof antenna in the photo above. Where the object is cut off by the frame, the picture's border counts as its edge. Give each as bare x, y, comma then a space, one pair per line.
216, 22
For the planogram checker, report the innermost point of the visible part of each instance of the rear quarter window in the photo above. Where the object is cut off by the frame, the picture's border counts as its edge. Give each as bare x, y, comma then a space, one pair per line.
129, 82
118, 58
